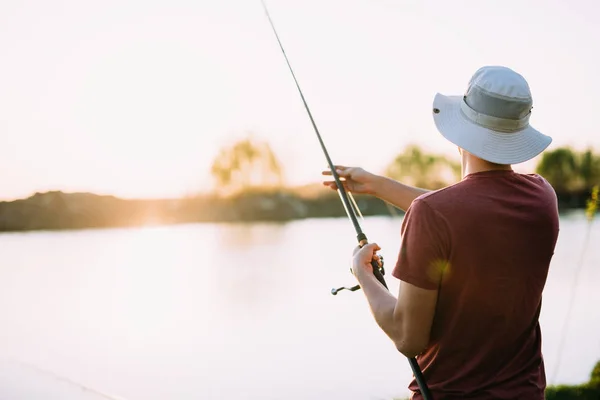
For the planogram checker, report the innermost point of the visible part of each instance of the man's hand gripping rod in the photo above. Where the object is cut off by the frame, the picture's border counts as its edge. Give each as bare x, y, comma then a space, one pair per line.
376, 264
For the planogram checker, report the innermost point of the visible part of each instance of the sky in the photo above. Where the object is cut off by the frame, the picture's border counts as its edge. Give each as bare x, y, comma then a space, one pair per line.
135, 98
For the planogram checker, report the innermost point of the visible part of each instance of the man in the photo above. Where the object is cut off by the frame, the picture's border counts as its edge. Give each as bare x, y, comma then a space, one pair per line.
475, 255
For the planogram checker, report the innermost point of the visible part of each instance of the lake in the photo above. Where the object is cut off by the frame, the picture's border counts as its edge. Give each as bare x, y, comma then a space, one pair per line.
233, 311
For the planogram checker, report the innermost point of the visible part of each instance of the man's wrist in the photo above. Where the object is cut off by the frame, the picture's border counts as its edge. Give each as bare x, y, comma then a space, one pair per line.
362, 273
378, 185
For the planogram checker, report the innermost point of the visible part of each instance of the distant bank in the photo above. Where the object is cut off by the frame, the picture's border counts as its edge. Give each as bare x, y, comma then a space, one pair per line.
57, 210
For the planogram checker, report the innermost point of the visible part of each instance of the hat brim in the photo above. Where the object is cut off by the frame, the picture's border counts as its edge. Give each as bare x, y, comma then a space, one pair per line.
493, 146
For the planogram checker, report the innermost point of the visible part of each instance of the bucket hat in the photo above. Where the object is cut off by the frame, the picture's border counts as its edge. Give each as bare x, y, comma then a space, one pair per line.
491, 120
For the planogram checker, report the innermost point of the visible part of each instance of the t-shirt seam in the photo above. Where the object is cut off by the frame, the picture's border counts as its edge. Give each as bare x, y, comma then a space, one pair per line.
447, 227
448, 235
442, 217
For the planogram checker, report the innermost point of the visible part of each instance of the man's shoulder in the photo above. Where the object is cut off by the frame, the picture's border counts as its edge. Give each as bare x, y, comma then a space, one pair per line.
442, 195
539, 179
463, 193
434, 202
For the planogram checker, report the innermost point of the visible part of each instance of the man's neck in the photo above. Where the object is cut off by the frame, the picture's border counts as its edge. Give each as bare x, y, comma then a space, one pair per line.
472, 165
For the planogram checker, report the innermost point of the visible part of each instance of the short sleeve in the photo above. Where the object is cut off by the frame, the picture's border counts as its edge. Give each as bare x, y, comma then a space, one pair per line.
424, 248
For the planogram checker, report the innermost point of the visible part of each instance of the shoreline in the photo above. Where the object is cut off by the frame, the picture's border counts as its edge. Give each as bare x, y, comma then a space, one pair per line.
58, 211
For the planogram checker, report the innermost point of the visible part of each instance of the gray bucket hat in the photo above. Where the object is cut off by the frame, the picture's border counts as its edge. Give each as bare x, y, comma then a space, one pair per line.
491, 120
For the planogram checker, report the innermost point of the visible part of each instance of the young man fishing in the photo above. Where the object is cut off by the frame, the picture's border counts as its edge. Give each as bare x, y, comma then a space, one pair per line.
474, 256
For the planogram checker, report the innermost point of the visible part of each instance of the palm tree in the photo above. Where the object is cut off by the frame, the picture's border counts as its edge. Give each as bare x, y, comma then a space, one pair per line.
248, 163
428, 171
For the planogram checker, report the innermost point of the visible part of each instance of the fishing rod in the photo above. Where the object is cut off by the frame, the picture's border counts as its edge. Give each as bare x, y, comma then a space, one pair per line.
351, 210
361, 237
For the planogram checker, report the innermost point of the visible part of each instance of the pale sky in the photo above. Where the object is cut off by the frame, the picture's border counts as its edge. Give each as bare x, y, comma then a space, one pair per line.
134, 98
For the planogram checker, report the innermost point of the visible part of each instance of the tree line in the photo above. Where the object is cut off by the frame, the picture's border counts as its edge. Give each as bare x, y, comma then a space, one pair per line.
250, 186
251, 164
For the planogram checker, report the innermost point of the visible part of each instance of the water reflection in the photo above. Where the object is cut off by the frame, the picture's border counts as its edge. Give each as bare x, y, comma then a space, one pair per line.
249, 269
242, 236
234, 310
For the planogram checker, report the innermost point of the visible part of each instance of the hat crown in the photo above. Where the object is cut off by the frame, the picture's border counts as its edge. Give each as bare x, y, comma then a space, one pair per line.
499, 92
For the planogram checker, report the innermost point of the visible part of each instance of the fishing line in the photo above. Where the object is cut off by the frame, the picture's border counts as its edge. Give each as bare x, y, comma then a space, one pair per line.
355, 206
573, 293
69, 381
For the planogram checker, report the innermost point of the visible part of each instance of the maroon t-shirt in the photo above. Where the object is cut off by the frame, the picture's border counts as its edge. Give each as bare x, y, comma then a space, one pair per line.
486, 244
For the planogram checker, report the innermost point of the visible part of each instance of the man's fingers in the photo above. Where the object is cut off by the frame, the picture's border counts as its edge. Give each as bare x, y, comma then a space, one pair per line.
333, 185
373, 247
344, 173
340, 169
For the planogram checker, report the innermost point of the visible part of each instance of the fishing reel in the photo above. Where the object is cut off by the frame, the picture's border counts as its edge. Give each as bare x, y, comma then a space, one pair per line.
375, 264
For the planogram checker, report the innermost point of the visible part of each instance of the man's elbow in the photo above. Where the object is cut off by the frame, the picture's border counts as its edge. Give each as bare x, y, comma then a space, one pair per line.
411, 348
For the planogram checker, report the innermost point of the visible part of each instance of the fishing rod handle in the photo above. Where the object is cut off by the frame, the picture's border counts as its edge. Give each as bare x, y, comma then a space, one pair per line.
362, 240
377, 273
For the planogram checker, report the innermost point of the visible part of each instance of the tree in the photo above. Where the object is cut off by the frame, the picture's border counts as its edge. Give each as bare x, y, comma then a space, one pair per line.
589, 168
248, 163
568, 170
559, 167
427, 171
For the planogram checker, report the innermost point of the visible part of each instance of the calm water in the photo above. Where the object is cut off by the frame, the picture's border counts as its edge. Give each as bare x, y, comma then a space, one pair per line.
231, 312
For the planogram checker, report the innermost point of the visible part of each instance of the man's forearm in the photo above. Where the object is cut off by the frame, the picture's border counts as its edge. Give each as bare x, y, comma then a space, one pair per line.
396, 193
382, 304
